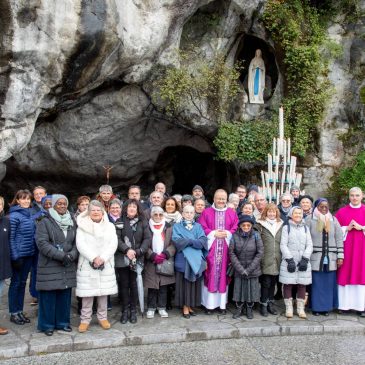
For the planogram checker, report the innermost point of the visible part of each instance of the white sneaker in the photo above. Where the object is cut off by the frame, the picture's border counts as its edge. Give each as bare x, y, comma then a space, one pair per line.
163, 313
150, 313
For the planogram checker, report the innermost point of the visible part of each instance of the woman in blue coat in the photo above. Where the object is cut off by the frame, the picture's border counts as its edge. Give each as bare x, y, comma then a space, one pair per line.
22, 249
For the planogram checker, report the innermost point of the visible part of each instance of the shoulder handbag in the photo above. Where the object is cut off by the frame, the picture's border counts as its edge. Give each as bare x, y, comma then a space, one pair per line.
166, 268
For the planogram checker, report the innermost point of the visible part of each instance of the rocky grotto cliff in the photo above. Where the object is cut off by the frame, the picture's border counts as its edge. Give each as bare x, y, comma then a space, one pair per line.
76, 94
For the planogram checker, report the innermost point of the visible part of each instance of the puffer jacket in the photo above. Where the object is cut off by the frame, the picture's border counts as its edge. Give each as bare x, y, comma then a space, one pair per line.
246, 253
51, 273
333, 247
22, 232
296, 244
270, 263
93, 240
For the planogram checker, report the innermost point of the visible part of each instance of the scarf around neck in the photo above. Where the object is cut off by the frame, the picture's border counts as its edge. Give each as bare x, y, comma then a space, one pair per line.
173, 217
64, 221
158, 236
323, 220
188, 224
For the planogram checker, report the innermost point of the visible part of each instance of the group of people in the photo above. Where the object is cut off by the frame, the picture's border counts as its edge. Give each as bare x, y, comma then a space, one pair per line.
182, 249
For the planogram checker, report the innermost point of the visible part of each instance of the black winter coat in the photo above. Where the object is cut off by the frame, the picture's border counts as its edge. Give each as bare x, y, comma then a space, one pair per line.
52, 274
246, 253
139, 236
5, 263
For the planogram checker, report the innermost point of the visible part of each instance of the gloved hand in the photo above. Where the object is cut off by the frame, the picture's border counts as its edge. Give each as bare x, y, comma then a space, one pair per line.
67, 260
291, 265
303, 264
159, 259
17, 264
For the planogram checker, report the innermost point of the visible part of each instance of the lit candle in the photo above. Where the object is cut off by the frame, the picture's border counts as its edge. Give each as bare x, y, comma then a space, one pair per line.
274, 148
289, 150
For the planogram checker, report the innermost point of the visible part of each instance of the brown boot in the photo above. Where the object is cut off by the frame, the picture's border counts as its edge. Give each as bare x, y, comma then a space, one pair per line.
105, 324
3, 331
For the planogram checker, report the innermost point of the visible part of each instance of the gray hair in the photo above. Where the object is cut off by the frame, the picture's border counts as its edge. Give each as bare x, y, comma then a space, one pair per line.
105, 188
115, 201
156, 192
233, 196
188, 208
95, 203
177, 197
156, 209
288, 195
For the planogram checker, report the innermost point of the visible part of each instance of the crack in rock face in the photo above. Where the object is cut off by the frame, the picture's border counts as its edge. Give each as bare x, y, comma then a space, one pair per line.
75, 90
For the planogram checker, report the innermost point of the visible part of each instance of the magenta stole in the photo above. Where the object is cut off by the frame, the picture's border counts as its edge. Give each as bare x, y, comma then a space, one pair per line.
215, 278
352, 272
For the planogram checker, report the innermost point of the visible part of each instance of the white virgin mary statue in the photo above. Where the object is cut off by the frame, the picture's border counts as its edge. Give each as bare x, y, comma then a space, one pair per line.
256, 79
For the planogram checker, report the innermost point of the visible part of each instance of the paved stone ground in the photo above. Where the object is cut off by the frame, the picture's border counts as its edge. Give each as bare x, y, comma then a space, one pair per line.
325, 349
25, 340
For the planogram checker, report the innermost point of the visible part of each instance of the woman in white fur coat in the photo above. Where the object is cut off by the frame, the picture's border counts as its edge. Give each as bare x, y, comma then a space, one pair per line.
96, 241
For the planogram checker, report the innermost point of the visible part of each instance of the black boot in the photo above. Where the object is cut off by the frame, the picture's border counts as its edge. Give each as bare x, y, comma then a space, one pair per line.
238, 312
263, 309
271, 309
124, 317
23, 317
16, 319
249, 313
133, 317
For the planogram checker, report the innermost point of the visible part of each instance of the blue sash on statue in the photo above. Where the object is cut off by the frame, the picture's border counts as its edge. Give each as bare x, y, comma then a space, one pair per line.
256, 82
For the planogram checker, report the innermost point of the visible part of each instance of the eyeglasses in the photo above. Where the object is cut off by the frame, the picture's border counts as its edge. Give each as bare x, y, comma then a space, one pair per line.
286, 201
158, 215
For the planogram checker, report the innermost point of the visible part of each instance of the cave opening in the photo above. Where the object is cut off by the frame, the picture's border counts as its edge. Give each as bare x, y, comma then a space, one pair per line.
246, 52
181, 167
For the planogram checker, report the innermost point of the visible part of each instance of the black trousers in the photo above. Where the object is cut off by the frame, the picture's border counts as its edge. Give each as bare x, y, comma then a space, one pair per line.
157, 298
127, 287
268, 283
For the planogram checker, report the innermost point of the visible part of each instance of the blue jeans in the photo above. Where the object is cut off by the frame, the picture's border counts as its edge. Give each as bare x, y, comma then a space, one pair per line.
17, 286
54, 309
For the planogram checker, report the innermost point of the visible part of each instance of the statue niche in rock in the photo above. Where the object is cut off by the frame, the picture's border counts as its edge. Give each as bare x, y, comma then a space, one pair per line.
256, 79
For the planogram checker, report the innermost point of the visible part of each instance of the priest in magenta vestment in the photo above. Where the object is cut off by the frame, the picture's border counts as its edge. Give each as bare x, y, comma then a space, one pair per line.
219, 223
351, 275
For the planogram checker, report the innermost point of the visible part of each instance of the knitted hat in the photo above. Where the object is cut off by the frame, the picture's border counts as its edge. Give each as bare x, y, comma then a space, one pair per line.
294, 187
319, 201
198, 187
187, 197
245, 218
47, 197
56, 197
306, 197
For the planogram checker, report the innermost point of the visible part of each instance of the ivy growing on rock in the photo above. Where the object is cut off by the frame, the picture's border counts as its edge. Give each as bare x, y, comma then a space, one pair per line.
205, 87
298, 33
245, 141
349, 177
